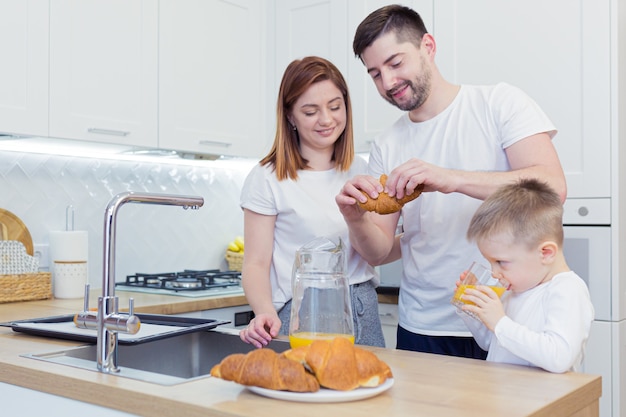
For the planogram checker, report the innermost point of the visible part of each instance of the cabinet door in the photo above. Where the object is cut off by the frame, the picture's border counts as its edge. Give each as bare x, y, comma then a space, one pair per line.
309, 28
558, 52
103, 70
372, 113
212, 77
24, 69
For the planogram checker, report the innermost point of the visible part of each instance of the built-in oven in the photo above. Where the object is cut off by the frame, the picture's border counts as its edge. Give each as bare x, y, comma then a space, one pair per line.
588, 251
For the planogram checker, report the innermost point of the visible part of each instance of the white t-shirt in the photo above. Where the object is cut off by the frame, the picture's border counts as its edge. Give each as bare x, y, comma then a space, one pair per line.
304, 209
471, 134
546, 326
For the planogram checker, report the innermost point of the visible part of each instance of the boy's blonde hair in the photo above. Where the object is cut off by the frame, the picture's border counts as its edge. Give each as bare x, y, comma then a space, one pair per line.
528, 210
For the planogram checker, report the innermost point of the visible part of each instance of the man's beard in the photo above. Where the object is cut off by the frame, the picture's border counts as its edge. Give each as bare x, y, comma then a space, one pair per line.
420, 90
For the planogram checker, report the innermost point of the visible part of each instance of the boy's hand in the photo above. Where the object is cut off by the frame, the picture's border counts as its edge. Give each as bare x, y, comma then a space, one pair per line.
488, 306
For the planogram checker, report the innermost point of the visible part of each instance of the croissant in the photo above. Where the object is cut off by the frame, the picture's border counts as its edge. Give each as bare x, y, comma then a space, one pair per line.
338, 364
384, 204
266, 369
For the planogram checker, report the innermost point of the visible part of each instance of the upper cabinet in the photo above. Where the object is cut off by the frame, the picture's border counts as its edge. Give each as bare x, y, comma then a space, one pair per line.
24, 69
310, 27
103, 70
212, 77
559, 52
202, 76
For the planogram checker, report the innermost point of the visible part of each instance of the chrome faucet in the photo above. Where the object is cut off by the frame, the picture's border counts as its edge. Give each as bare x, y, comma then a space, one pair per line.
108, 320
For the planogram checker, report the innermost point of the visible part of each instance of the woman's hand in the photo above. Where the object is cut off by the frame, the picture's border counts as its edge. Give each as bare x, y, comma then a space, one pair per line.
261, 330
352, 193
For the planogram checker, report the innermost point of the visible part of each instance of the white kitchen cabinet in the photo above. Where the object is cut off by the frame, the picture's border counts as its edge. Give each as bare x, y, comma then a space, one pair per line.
311, 27
19, 401
304, 28
24, 69
212, 77
388, 314
103, 71
559, 52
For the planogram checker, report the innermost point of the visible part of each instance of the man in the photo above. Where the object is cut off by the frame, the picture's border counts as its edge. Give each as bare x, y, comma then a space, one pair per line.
462, 143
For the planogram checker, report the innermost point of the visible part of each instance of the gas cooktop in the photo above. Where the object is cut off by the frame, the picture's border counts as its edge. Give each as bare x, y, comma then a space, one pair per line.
186, 283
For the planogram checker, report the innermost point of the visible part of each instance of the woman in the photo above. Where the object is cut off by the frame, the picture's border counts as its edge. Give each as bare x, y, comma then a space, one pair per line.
289, 198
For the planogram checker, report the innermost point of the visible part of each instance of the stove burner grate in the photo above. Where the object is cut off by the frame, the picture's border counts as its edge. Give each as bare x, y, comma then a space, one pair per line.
186, 280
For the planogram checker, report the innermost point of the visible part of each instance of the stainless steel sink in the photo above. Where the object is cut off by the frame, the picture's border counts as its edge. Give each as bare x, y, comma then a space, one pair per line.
168, 361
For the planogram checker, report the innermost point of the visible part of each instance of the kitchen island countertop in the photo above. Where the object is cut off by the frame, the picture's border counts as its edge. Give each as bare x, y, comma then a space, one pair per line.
424, 384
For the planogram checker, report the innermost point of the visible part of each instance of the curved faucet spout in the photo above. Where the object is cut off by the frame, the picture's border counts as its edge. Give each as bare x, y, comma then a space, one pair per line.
109, 320
110, 220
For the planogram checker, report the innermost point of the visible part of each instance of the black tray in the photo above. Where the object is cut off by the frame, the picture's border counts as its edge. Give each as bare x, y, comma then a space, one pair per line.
153, 327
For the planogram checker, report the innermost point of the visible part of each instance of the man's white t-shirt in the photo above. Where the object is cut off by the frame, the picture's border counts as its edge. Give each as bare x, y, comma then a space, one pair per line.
471, 134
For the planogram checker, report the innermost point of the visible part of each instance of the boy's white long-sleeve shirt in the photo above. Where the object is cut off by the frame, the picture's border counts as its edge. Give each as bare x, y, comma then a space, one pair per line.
546, 326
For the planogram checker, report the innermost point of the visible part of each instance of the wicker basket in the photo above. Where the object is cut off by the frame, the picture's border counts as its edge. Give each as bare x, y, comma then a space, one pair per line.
25, 287
235, 260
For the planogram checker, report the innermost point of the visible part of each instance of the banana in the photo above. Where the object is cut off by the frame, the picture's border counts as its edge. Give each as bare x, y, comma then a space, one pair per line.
236, 245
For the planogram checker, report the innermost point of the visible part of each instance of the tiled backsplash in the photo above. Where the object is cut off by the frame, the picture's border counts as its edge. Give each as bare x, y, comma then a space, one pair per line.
39, 187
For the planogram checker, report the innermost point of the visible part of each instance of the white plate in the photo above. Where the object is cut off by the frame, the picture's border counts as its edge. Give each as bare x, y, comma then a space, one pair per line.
324, 395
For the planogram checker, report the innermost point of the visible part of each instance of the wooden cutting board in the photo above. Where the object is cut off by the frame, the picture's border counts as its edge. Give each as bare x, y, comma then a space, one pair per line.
12, 228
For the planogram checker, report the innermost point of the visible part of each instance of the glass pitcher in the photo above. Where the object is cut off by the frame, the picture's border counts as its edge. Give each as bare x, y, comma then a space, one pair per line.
321, 307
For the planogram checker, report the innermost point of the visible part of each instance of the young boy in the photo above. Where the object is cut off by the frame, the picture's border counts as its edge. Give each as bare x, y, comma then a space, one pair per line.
544, 317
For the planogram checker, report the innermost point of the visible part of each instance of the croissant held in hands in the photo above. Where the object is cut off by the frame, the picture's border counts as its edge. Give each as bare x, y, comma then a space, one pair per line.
384, 204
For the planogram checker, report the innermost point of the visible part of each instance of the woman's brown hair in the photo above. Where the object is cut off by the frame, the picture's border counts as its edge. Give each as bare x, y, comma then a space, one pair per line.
298, 77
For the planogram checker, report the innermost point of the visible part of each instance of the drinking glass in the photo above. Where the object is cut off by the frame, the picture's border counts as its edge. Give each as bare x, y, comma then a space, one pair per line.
476, 275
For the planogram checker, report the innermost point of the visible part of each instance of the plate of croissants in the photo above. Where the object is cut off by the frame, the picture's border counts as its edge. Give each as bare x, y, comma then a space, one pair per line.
325, 371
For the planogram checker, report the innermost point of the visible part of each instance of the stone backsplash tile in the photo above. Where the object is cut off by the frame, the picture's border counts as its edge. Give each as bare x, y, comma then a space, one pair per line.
150, 238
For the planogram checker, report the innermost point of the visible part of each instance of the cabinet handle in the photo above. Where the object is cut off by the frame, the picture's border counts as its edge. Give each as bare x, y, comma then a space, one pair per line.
215, 143
108, 131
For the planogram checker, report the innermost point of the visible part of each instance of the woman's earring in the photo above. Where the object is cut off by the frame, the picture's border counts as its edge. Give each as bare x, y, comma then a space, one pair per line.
294, 127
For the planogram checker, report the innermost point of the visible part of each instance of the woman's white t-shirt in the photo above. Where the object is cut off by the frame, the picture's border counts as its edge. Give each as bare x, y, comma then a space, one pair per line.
305, 209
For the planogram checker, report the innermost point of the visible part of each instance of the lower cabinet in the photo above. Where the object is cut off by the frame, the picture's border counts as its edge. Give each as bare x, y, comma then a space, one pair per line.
28, 402
389, 319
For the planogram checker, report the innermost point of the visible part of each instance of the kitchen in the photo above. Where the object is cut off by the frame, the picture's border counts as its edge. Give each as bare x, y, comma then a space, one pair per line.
39, 186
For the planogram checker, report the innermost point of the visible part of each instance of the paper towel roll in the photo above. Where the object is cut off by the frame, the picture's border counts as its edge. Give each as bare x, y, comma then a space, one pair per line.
69, 279
69, 246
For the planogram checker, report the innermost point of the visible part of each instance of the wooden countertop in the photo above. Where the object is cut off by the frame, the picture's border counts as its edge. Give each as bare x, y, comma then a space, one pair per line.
424, 384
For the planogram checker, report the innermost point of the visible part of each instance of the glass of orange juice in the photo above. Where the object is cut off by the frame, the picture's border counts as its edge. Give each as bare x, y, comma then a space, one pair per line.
476, 275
